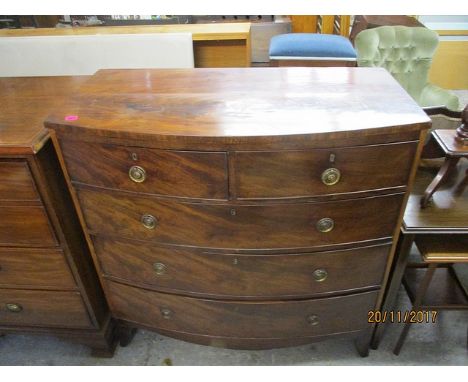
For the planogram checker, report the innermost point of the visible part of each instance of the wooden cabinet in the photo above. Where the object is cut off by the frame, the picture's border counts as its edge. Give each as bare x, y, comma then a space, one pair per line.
248, 216
48, 283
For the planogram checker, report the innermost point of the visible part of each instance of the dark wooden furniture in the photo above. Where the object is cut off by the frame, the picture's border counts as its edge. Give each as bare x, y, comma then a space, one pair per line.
48, 283
434, 285
454, 150
446, 215
245, 208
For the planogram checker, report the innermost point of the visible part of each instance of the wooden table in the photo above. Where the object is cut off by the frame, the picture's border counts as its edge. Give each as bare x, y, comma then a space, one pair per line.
446, 215
214, 45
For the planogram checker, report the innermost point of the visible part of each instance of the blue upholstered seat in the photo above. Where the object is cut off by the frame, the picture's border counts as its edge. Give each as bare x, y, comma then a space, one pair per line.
311, 45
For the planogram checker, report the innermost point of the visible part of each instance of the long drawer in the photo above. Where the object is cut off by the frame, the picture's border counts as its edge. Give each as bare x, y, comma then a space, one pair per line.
252, 226
176, 173
241, 276
40, 308
277, 174
25, 225
16, 181
271, 319
39, 268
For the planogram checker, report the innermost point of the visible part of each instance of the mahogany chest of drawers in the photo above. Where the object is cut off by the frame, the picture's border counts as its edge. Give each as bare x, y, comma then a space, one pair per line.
48, 283
245, 208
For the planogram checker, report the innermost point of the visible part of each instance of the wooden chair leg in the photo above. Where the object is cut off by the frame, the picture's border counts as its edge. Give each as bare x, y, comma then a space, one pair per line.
416, 304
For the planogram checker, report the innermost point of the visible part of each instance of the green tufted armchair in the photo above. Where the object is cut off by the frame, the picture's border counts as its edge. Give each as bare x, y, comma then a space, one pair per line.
406, 52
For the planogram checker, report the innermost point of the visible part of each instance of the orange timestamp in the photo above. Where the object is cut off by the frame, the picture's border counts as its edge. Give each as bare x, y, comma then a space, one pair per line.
398, 316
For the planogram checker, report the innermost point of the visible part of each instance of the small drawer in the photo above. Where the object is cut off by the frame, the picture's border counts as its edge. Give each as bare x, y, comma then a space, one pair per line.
25, 225
40, 308
253, 226
284, 174
16, 182
266, 319
188, 174
38, 268
241, 276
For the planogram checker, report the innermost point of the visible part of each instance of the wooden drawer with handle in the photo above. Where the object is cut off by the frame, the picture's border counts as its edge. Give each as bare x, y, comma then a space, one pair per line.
215, 275
189, 174
43, 308
265, 319
283, 174
251, 226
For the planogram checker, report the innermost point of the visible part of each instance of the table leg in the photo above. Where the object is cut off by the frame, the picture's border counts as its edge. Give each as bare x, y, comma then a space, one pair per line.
417, 303
445, 170
405, 241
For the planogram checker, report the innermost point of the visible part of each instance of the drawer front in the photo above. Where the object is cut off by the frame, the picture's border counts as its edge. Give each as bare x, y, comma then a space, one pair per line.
21, 225
40, 268
243, 227
16, 182
271, 319
175, 173
299, 173
39, 308
241, 276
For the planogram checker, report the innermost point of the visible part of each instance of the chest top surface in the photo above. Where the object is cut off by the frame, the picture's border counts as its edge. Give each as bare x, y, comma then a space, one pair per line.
231, 105
24, 104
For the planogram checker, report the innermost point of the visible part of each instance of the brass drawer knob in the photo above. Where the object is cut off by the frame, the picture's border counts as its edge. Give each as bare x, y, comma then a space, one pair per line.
159, 268
313, 320
331, 176
137, 174
320, 275
15, 308
149, 221
166, 313
325, 225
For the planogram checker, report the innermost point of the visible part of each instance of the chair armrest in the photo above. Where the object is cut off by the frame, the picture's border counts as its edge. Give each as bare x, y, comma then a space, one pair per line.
433, 96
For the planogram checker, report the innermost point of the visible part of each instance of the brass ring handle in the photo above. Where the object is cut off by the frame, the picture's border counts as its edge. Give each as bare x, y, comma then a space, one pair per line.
159, 268
320, 275
166, 313
15, 308
313, 320
325, 225
149, 221
331, 176
137, 174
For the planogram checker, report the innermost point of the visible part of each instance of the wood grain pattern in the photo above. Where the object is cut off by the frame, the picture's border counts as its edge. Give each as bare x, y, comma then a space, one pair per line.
231, 108
236, 272
26, 102
25, 225
221, 53
41, 308
278, 319
176, 173
251, 226
236, 276
298, 173
16, 182
37, 268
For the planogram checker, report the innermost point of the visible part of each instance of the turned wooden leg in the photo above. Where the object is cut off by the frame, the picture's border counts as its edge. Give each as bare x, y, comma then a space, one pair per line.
126, 334
445, 170
416, 304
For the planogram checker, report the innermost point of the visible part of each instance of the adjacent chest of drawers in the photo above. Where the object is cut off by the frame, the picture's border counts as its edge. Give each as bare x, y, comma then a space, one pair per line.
242, 208
48, 283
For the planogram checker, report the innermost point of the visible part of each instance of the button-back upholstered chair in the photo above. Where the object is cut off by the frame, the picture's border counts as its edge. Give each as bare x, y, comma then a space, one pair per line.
406, 52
